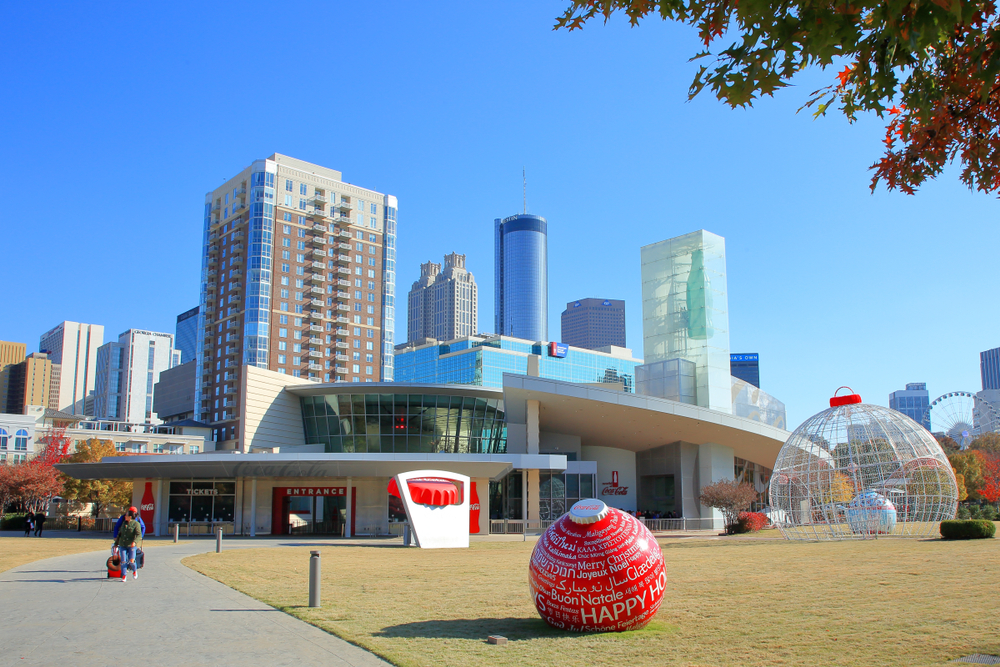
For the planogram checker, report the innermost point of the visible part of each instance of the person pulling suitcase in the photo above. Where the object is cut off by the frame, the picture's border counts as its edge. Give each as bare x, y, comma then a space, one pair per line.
129, 533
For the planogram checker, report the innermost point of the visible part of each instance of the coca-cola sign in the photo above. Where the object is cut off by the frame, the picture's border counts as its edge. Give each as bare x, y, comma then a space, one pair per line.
612, 488
147, 508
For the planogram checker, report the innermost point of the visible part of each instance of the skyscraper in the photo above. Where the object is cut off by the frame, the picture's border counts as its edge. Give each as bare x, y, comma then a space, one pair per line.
73, 346
989, 368
913, 402
594, 323
298, 276
31, 383
10, 354
521, 290
746, 367
685, 311
186, 334
128, 370
443, 304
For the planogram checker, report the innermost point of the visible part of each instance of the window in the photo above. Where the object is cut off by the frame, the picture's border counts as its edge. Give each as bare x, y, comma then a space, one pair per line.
281, 358
21, 440
3, 438
283, 306
357, 356
368, 370
299, 257
357, 343
357, 294
373, 238
284, 267
371, 297
283, 332
301, 245
374, 209
369, 345
370, 334
371, 310
288, 185
302, 232
286, 254
302, 204
297, 335
300, 271
302, 188
288, 200
371, 262
298, 296
298, 308
283, 319
298, 282
288, 218
369, 358
282, 345
371, 284
356, 368
284, 280
360, 247
287, 229
285, 243
296, 347
357, 282
360, 235
371, 274
296, 361
371, 250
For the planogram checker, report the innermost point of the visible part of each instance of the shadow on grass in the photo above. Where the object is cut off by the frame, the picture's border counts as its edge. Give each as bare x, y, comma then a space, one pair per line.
514, 629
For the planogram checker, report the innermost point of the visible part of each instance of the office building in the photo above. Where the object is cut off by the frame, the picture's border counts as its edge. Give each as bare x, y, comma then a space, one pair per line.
31, 384
483, 359
186, 334
521, 267
443, 304
594, 323
298, 276
73, 346
318, 457
989, 368
173, 395
127, 372
745, 367
685, 312
913, 402
10, 354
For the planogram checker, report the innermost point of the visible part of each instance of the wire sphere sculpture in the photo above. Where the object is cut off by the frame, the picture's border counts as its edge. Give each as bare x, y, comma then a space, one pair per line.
861, 471
962, 416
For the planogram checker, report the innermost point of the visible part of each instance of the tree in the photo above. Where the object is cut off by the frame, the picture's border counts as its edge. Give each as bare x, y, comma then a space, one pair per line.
947, 443
990, 490
729, 497
931, 65
970, 467
987, 442
100, 493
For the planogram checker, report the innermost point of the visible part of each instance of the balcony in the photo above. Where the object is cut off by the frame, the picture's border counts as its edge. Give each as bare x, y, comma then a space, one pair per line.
212, 272
236, 259
318, 240
315, 367
318, 198
341, 345
315, 290
316, 302
319, 227
315, 278
315, 354
213, 248
342, 357
240, 191
210, 308
315, 341
235, 297
340, 369
343, 258
314, 315
343, 270
343, 320
235, 273
342, 332
237, 207
344, 283
238, 234
315, 327
343, 295
238, 247
318, 265
230, 390
343, 205
343, 246
343, 307
213, 236
318, 213
343, 234
316, 252
217, 206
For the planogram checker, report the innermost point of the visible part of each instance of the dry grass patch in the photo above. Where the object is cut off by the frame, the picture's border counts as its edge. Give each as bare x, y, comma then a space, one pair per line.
15, 551
728, 602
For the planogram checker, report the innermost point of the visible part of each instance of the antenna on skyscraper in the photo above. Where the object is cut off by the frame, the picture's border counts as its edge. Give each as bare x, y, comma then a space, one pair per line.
524, 180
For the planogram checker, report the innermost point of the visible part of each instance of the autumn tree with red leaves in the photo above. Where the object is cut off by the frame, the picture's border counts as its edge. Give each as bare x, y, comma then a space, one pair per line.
990, 490
930, 67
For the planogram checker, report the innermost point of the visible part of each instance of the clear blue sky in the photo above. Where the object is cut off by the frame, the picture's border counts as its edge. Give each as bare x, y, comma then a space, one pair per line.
118, 117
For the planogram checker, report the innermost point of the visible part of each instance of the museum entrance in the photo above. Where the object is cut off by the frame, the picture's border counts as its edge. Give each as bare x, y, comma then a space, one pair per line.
310, 510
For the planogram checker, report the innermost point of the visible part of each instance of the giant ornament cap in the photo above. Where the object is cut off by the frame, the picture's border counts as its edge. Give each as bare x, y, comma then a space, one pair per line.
587, 511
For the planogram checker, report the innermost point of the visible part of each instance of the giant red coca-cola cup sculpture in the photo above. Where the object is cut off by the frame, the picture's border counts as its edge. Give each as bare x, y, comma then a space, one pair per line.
597, 569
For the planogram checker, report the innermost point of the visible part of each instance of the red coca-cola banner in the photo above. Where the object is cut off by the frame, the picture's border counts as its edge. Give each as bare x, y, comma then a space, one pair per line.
603, 576
473, 510
147, 508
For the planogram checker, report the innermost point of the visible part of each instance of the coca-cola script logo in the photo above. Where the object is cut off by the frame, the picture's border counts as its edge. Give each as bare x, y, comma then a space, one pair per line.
147, 507
612, 489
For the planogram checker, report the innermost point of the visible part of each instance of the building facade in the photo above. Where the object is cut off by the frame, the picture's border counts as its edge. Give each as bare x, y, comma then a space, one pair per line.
173, 395
186, 334
594, 323
443, 304
685, 312
746, 367
298, 276
10, 354
521, 288
127, 372
73, 346
989, 368
913, 402
34, 381
482, 360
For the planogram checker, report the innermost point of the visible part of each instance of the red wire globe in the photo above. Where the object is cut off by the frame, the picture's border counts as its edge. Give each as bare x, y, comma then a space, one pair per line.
597, 569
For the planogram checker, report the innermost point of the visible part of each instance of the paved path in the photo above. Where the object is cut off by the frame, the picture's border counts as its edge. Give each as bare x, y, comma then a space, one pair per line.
65, 612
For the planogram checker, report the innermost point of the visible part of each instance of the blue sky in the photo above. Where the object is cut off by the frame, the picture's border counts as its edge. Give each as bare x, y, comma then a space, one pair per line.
118, 118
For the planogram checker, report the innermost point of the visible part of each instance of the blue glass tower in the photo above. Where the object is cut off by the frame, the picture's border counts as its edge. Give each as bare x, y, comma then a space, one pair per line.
186, 334
521, 294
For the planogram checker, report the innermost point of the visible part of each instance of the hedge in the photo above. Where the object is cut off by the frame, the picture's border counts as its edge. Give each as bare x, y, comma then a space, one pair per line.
973, 529
12, 522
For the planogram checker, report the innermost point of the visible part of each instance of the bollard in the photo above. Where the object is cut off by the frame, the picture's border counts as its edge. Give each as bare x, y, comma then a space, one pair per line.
177, 531
79, 524
314, 575
218, 540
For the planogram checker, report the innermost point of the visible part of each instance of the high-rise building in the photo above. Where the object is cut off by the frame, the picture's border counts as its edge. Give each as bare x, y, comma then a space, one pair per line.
521, 287
746, 367
10, 354
685, 311
73, 346
913, 402
186, 334
989, 368
298, 276
31, 384
594, 323
127, 372
443, 304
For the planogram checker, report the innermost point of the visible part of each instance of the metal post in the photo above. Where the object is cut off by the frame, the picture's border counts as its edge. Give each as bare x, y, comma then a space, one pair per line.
218, 540
79, 524
314, 578
177, 532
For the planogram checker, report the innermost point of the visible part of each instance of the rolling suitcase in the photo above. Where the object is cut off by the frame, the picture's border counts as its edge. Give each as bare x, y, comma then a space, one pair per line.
114, 565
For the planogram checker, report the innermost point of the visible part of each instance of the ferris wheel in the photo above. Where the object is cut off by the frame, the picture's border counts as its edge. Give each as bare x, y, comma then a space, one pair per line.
962, 416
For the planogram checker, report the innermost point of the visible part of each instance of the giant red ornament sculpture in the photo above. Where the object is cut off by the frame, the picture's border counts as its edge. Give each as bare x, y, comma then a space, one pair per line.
597, 569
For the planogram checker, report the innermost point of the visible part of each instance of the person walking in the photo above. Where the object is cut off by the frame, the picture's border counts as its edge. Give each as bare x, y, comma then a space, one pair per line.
127, 536
39, 523
121, 520
29, 520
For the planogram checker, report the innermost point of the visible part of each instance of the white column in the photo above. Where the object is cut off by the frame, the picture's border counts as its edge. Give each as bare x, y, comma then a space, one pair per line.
238, 507
253, 507
160, 513
533, 436
524, 495
350, 496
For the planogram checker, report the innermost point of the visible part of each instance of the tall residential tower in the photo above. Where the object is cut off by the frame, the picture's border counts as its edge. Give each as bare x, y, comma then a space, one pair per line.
443, 304
298, 276
521, 287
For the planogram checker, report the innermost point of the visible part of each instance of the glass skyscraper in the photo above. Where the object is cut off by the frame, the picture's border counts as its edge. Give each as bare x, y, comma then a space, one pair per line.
521, 296
913, 402
746, 367
186, 334
989, 368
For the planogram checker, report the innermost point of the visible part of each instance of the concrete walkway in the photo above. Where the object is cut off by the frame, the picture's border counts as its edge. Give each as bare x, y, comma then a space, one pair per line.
64, 611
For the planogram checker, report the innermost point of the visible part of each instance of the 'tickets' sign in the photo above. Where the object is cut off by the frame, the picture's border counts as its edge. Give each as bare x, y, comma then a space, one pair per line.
147, 508
474, 510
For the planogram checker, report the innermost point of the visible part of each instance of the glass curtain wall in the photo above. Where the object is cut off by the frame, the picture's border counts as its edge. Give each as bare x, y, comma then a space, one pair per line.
199, 500
558, 491
405, 423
